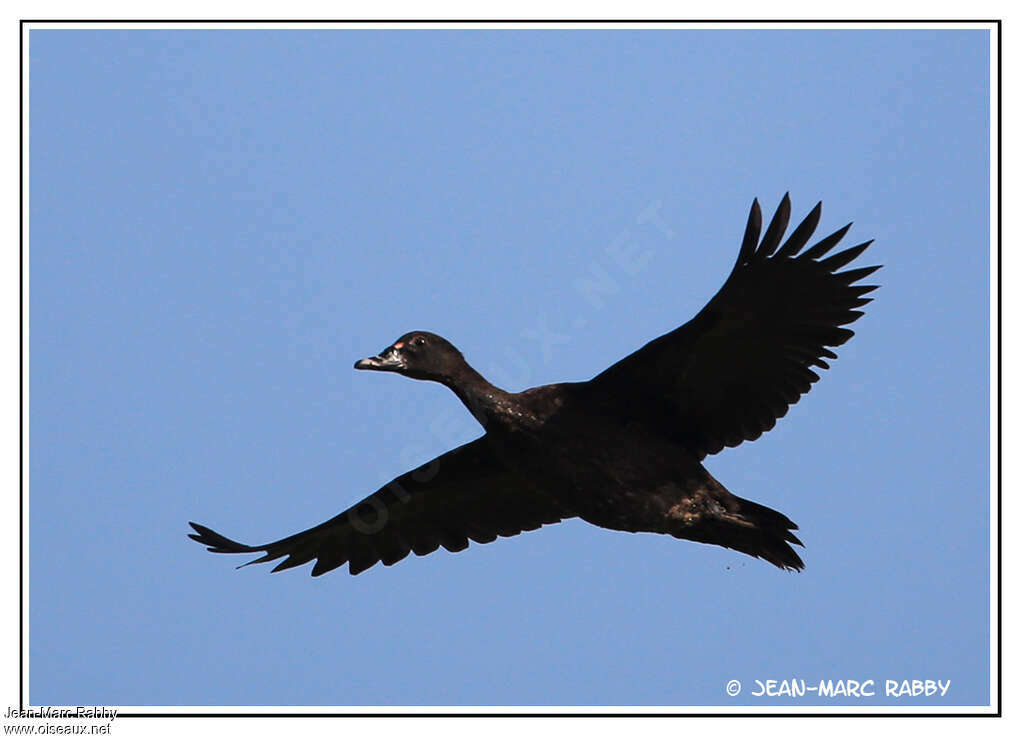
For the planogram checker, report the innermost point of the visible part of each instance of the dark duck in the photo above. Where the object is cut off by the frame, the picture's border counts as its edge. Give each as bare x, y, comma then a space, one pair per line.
623, 450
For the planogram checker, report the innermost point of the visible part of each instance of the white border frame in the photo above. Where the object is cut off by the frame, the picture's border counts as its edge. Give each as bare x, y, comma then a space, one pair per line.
994, 446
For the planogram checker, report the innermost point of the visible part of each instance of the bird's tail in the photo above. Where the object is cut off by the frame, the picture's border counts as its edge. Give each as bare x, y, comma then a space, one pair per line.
750, 528
771, 537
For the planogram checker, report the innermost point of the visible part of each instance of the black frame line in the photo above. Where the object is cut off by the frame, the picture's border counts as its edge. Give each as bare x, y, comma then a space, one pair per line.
732, 22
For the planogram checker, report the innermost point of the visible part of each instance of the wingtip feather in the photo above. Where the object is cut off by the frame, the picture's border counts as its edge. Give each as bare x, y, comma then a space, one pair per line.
751, 234
776, 228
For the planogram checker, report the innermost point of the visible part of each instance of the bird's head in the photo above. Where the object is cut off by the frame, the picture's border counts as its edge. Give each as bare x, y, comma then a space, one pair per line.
420, 355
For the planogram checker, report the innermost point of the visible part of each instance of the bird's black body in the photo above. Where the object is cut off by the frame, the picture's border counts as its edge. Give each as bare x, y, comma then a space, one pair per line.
624, 450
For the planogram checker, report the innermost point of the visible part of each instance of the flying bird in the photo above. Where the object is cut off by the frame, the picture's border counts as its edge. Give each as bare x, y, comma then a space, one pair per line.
623, 450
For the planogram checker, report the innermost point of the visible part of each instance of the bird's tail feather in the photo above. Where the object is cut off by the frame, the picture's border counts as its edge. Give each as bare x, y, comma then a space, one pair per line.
752, 529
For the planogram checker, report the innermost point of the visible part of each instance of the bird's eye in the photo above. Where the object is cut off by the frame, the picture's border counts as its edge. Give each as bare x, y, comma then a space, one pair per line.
418, 342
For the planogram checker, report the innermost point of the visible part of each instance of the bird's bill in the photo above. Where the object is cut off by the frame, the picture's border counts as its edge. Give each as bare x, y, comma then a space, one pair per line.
388, 360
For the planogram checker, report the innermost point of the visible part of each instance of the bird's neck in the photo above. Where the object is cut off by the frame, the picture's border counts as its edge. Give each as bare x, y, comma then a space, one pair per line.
484, 400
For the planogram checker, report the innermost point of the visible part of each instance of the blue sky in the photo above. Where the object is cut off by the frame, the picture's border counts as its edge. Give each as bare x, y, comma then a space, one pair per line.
222, 222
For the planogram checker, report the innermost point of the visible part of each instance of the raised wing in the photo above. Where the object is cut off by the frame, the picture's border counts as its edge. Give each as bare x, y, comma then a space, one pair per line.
463, 495
732, 371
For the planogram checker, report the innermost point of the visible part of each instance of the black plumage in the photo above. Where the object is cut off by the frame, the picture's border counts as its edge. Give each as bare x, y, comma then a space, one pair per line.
623, 450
